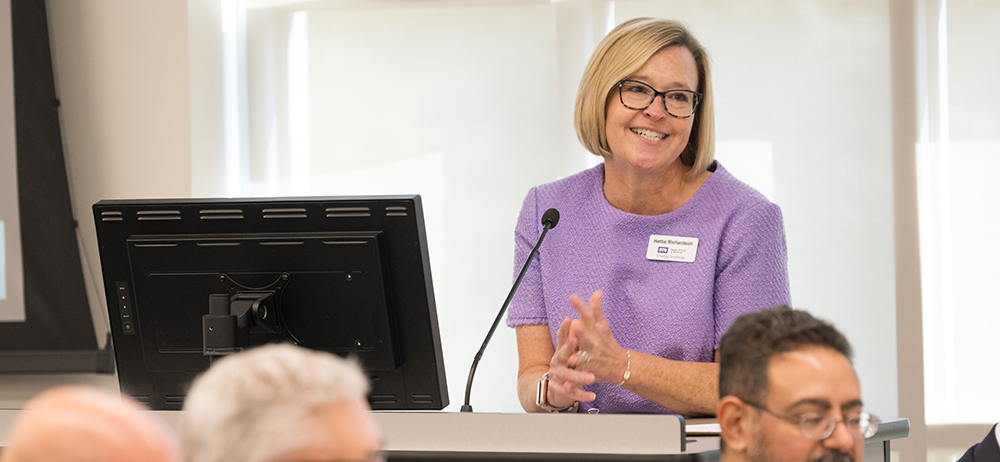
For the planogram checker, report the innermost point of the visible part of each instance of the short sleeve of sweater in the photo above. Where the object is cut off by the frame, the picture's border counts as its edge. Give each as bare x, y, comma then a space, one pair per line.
752, 269
528, 306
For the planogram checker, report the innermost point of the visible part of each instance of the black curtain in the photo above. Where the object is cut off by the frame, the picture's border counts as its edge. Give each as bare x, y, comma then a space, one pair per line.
58, 334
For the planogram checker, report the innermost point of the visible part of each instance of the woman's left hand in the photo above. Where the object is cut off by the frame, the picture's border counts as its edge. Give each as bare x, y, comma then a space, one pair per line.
592, 334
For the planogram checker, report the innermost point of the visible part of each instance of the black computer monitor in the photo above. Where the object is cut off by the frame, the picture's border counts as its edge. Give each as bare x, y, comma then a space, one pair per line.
348, 275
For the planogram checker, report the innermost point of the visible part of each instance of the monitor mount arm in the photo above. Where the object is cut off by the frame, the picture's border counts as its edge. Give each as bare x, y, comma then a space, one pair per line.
226, 327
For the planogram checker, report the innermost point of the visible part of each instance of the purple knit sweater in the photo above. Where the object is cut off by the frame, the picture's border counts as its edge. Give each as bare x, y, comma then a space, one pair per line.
675, 310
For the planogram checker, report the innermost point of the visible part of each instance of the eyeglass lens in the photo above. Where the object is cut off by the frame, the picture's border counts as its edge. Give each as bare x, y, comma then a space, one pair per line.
638, 95
819, 426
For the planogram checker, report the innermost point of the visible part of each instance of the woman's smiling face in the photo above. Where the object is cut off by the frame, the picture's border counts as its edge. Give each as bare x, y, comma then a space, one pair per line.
650, 139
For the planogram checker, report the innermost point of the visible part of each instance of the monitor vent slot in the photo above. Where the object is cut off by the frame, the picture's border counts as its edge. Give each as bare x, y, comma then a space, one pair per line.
348, 212
217, 244
395, 211
144, 399
156, 244
149, 215
221, 214
422, 399
383, 399
111, 216
285, 213
173, 399
281, 242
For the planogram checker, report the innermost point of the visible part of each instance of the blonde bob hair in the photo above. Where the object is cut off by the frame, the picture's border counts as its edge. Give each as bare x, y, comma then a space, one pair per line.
622, 53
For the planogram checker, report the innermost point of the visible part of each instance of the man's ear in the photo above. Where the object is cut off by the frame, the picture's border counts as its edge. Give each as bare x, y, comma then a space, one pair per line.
735, 422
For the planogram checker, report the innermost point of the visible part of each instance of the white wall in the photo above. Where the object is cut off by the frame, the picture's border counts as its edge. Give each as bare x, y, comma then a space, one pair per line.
121, 74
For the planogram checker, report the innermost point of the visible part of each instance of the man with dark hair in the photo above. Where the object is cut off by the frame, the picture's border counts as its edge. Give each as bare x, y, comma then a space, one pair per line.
987, 451
789, 391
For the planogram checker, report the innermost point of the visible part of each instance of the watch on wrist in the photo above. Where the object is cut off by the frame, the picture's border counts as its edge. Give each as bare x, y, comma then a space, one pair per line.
542, 401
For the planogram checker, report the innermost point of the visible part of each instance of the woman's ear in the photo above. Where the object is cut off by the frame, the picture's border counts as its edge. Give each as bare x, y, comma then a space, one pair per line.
735, 420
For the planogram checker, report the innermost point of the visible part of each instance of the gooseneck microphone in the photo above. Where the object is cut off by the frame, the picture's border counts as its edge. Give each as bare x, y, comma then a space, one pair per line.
549, 220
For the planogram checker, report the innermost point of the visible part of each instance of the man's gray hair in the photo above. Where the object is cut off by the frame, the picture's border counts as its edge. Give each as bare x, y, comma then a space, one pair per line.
251, 406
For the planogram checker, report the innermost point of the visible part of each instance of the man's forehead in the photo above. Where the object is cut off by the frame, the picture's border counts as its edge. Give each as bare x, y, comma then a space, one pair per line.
812, 376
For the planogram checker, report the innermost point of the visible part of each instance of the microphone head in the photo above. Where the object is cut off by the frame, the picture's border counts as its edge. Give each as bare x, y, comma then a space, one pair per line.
550, 218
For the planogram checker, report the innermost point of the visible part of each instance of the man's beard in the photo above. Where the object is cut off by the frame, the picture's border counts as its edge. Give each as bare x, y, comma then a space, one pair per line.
836, 456
763, 452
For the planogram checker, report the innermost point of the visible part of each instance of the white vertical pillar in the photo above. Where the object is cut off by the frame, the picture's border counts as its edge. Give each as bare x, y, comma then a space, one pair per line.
934, 180
298, 103
206, 54
909, 314
234, 98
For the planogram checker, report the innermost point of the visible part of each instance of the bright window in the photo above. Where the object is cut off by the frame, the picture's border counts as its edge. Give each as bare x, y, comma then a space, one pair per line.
959, 157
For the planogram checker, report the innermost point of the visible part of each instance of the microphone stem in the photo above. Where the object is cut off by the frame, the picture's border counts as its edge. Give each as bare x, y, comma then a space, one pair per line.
479, 355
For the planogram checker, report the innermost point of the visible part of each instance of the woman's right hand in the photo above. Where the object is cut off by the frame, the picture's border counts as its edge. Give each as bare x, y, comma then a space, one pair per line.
566, 371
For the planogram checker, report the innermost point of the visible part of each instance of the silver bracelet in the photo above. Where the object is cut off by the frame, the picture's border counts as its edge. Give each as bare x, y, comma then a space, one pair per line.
628, 368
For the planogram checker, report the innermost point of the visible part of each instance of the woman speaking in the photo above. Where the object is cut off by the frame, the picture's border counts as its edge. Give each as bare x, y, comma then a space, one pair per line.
666, 245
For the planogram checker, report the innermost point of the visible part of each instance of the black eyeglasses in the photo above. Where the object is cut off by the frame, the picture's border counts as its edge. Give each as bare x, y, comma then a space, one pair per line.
816, 426
639, 95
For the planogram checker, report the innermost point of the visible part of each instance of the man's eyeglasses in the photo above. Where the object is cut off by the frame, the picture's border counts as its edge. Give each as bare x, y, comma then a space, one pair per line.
816, 426
639, 95
378, 456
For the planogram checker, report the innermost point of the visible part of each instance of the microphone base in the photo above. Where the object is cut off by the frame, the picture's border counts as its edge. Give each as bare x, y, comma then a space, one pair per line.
466, 408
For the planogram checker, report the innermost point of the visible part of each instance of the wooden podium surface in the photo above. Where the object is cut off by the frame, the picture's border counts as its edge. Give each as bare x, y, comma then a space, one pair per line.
487, 437
550, 437
448, 436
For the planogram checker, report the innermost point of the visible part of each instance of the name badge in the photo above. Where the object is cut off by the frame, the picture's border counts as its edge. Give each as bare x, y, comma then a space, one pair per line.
672, 248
